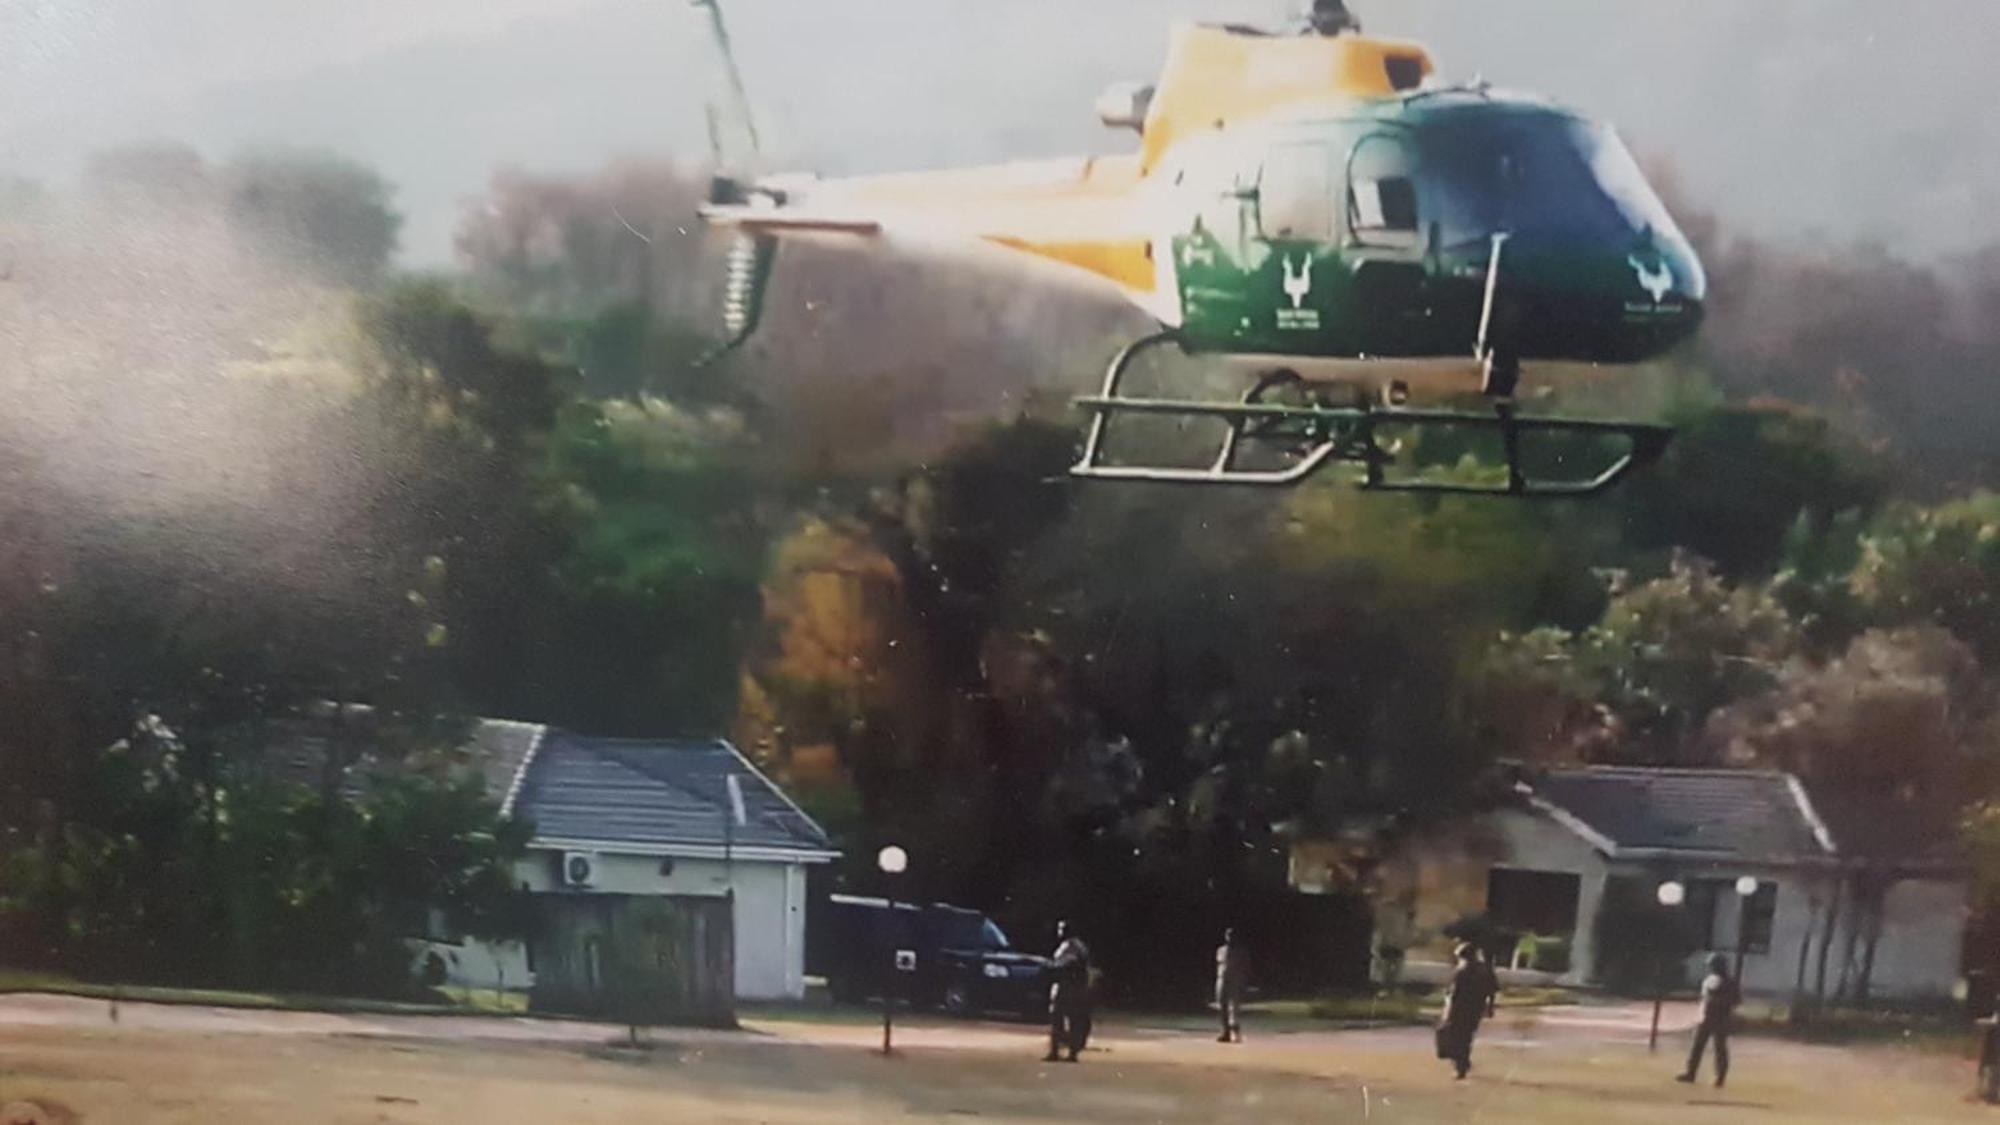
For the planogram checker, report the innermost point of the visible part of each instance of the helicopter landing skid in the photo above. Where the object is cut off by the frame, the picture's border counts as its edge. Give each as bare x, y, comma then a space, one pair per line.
1308, 436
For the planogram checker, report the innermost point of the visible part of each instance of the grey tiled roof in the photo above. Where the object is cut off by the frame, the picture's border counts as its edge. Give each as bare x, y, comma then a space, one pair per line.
295, 752
610, 791
601, 791
1743, 813
499, 749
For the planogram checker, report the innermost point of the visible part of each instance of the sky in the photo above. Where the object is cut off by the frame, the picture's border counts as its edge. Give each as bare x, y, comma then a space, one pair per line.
1826, 120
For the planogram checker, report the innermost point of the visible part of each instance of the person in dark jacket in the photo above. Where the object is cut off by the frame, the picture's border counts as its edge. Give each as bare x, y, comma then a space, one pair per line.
1719, 997
1474, 987
1229, 974
1069, 996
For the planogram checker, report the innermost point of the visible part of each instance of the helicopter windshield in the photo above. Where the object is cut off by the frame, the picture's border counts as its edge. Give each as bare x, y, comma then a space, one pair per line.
1550, 178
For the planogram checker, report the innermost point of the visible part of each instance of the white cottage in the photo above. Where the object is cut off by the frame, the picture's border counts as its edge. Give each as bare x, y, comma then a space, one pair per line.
1850, 908
636, 818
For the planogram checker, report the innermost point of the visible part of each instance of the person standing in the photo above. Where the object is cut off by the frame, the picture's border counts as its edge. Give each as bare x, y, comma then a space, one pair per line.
1719, 997
1490, 978
1470, 1000
1229, 988
1069, 995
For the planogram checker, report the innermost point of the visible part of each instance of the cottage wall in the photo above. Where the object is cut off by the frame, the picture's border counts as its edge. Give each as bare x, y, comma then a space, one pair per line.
1923, 928
770, 918
770, 907
1917, 957
1803, 896
643, 959
1442, 877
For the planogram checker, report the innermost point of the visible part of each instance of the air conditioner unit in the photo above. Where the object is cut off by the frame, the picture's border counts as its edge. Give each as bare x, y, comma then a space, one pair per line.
579, 869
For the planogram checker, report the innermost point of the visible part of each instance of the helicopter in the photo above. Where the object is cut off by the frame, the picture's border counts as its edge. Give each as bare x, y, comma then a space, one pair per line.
1363, 244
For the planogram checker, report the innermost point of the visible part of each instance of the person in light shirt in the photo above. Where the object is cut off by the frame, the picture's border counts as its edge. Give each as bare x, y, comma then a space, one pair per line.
1229, 968
1719, 997
1069, 996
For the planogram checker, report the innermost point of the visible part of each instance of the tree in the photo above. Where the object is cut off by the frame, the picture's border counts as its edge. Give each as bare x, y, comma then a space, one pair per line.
1637, 687
315, 211
1738, 478
1939, 566
545, 247
1899, 722
601, 560
654, 593
1895, 739
164, 175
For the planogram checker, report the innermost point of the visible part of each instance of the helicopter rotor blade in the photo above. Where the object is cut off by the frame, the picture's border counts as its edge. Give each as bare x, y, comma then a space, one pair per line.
732, 127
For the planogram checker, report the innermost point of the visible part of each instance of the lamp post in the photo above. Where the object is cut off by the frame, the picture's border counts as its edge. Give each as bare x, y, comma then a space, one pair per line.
892, 861
1746, 889
1670, 894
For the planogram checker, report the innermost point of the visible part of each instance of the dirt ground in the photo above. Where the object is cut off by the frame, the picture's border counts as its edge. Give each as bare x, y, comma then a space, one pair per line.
181, 1064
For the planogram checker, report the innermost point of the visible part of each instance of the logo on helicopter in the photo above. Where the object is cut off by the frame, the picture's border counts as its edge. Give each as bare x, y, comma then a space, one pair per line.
1298, 285
1656, 277
1655, 281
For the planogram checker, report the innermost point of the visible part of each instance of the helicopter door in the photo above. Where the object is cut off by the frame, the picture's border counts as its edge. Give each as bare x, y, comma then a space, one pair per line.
1212, 253
1385, 244
1289, 272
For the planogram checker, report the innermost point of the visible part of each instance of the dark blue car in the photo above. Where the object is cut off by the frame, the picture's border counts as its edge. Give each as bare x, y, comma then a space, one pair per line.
963, 963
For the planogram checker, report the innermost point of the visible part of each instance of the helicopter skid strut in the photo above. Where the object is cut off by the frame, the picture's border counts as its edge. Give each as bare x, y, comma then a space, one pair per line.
1315, 434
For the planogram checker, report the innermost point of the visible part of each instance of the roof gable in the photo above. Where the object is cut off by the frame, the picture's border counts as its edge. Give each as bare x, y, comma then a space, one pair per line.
599, 792
650, 792
1742, 814
295, 752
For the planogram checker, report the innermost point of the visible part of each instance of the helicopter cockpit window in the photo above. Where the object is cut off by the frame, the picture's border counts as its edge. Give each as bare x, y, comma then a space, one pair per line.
1382, 192
1388, 204
1296, 193
1552, 179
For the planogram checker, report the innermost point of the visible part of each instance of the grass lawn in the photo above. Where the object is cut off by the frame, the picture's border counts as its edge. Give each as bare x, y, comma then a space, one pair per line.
461, 1001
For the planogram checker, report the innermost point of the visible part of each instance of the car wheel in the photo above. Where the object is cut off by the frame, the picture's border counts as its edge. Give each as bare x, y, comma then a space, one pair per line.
958, 999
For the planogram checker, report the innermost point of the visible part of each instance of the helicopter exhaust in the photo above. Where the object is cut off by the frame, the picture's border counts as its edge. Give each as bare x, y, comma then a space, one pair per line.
1330, 17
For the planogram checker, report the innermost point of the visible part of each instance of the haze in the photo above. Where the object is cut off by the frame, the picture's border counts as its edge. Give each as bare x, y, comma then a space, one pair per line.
1791, 119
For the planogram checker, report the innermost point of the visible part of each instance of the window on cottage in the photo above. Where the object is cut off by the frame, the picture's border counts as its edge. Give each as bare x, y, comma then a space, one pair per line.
1760, 915
1534, 902
1701, 914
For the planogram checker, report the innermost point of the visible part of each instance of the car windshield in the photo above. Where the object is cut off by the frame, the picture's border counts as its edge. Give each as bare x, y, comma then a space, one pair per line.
1546, 176
955, 930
